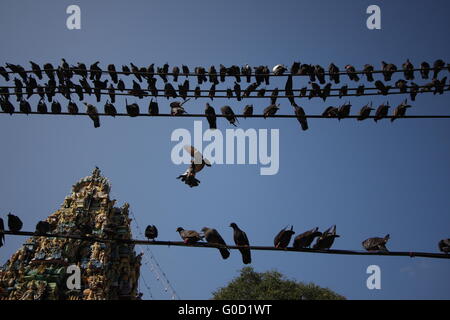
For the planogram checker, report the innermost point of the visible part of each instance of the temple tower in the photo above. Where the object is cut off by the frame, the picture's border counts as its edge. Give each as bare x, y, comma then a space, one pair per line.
39, 270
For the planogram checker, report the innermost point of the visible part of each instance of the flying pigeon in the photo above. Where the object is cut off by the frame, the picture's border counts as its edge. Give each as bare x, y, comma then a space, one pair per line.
381, 112
151, 232
305, 239
197, 164
93, 114
212, 236
364, 113
14, 223
211, 116
110, 109
283, 238
326, 240
189, 236
42, 227
376, 244
240, 239
444, 245
229, 114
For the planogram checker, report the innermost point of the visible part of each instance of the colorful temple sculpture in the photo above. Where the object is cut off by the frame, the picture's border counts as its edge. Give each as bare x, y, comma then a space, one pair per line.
108, 270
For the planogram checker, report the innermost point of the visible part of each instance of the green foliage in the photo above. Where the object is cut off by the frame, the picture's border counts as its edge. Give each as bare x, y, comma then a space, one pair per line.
271, 285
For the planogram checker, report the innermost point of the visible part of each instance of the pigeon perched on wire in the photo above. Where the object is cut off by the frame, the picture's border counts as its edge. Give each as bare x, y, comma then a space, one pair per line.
247, 72
25, 107
240, 239
326, 240
376, 244
351, 72
330, 112
438, 65
444, 245
388, 70
93, 114
153, 108
283, 238
248, 110
42, 228
7, 106
189, 236
14, 223
400, 111
320, 73
271, 110
175, 73
365, 111
112, 73
110, 109
36, 70
211, 116
176, 108
333, 71
5, 73
344, 111
197, 164
229, 115
382, 88
408, 70
237, 90
382, 111
56, 107
279, 69
305, 239
414, 90
212, 236
301, 117
42, 107
2, 234
151, 232
368, 71
402, 85
72, 108
343, 91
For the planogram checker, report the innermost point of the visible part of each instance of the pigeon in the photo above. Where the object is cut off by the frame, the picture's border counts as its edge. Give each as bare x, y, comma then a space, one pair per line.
305, 239
112, 93
360, 90
175, 73
320, 73
325, 92
425, 70
271, 110
212, 92
126, 70
36, 70
368, 71
444, 245
96, 72
438, 65
331, 112
2, 234
31, 84
18, 88
189, 236
364, 113
413, 91
211, 116
14, 223
229, 115
212, 236
408, 70
315, 91
402, 85
247, 72
197, 164
343, 91
132, 109
80, 69
56, 107
237, 90
112, 73
135, 70
388, 70
7, 106
5, 73
344, 111
259, 74
137, 90
41, 107
25, 107
17, 69
121, 85
400, 111
251, 87
79, 91
153, 108
93, 114
48, 69
42, 227
261, 92
376, 244
110, 109
234, 71
301, 117
326, 240
151, 232
295, 67
185, 70
197, 92
279, 69
240, 239
351, 72
200, 72
283, 238
176, 108
169, 91
72, 108
381, 112
248, 110
439, 85
333, 72
212, 73
383, 89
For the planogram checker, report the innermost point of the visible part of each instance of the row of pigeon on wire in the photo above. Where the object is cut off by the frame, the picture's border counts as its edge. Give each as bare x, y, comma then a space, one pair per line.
177, 109
323, 240
260, 73
99, 88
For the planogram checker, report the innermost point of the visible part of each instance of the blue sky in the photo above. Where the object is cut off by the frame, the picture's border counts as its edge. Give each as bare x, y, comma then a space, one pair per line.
369, 179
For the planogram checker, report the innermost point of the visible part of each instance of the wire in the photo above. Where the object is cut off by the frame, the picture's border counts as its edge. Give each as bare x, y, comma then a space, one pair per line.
261, 248
188, 115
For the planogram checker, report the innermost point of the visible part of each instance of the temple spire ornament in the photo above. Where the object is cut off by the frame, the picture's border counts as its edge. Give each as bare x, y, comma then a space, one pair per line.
109, 270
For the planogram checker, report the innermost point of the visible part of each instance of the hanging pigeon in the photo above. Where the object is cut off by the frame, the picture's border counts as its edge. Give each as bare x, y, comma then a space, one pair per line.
444, 245
211, 116
14, 223
283, 238
42, 228
189, 236
305, 239
110, 109
240, 239
326, 240
229, 115
364, 113
151, 232
93, 114
197, 164
212, 236
376, 244
400, 111
381, 112
301, 117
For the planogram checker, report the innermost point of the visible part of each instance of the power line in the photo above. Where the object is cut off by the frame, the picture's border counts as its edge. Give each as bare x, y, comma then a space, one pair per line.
411, 254
188, 115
